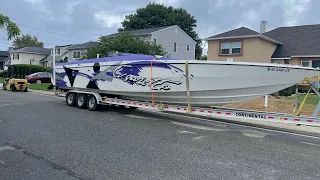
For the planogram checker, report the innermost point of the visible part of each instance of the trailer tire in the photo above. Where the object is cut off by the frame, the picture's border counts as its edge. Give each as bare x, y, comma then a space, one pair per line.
92, 103
71, 99
81, 101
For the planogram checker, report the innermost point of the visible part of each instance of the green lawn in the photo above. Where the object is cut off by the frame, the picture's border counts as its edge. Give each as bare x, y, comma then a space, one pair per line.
1, 79
311, 99
42, 86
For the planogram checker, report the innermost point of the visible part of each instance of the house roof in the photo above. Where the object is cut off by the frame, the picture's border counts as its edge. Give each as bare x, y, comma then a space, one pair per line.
242, 31
84, 45
64, 45
4, 59
140, 32
297, 40
4, 53
33, 50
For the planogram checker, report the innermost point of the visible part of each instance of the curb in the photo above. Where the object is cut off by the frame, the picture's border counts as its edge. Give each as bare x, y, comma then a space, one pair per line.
209, 120
263, 126
34, 91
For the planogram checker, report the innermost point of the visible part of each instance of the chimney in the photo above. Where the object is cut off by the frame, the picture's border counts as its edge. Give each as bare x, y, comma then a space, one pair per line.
263, 27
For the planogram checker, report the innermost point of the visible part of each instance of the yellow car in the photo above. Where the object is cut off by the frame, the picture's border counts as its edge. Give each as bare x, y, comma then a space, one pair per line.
15, 84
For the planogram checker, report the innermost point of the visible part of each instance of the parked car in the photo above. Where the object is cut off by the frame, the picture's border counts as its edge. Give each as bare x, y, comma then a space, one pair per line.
39, 77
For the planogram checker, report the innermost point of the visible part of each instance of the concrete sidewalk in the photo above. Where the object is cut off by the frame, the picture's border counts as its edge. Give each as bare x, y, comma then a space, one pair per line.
50, 93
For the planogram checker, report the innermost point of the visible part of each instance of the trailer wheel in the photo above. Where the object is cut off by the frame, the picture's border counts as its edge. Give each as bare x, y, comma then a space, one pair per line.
71, 99
81, 101
92, 103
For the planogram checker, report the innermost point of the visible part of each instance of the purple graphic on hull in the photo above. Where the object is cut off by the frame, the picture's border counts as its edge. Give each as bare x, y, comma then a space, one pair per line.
129, 73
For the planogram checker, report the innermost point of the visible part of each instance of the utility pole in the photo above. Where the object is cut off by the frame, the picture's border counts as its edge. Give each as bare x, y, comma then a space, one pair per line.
31, 61
54, 69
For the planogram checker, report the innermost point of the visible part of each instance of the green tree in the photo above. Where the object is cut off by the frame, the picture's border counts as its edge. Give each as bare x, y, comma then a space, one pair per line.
9, 26
157, 15
125, 43
26, 41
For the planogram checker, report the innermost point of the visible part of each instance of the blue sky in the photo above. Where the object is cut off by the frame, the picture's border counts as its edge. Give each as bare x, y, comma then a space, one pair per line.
85, 20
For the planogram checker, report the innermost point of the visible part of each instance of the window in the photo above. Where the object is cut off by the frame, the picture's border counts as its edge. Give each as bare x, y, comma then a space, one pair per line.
43, 74
15, 56
188, 48
155, 41
174, 47
315, 63
305, 63
57, 51
277, 61
286, 61
76, 54
230, 48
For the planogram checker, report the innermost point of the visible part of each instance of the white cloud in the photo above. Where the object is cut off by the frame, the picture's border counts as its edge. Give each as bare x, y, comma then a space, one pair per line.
34, 1
293, 10
169, 2
41, 6
109, 19
251, 18
69, 9
71, 5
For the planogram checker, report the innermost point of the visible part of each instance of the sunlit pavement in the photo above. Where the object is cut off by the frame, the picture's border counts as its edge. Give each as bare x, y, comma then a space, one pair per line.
42, 138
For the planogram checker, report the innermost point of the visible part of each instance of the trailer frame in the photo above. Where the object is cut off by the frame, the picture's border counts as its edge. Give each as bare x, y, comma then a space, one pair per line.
92, 100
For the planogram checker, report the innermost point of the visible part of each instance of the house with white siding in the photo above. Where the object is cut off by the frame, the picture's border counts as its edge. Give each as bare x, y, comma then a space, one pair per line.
175, 42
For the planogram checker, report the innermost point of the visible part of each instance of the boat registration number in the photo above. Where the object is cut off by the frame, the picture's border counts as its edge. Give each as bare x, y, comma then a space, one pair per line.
279, 69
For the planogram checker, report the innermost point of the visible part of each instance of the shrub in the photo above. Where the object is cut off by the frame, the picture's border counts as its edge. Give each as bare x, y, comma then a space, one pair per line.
3, 73
288, 91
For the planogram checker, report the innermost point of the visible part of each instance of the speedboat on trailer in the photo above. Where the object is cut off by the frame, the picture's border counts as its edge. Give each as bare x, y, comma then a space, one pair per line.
147, 78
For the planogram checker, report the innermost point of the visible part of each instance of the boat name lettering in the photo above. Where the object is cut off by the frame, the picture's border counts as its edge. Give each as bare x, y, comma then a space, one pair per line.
157, 83
261, 116
279, 69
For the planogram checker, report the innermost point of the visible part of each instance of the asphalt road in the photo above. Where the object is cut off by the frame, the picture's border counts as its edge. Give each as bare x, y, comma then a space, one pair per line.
42, 138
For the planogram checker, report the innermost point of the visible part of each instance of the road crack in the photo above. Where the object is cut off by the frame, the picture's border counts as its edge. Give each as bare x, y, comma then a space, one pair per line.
48, 162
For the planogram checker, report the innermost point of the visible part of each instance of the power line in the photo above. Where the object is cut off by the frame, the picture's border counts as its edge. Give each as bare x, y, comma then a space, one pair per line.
5, 44
52, 32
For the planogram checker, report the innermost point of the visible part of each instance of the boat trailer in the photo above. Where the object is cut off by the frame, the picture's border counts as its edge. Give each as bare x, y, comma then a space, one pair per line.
91, 101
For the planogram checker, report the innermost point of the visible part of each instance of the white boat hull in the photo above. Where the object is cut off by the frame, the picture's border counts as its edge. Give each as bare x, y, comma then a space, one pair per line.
211, 82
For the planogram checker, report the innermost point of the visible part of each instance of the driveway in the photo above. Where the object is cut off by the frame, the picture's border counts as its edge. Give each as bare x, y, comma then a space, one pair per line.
42, 138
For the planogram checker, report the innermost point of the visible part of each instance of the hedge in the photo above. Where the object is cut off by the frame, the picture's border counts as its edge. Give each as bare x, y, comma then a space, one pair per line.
21, 70
3, 73
288, 91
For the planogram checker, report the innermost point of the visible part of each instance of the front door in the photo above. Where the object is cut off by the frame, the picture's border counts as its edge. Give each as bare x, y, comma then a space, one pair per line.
316, 63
